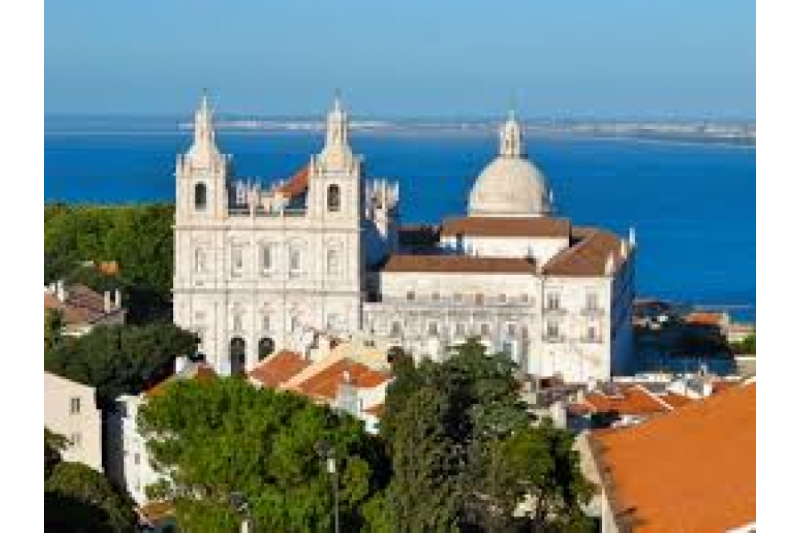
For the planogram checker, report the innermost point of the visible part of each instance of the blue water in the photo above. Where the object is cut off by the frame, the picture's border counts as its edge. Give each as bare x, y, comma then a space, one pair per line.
693, 205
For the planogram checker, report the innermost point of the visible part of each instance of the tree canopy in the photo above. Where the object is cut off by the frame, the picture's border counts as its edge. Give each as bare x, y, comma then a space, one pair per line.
121, 359
139, 238
214, 439
458, 437
79, 499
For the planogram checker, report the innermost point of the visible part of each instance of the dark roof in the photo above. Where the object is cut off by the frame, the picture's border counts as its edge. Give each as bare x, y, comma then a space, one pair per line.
81, 305
588, 257
458, 264
507, 227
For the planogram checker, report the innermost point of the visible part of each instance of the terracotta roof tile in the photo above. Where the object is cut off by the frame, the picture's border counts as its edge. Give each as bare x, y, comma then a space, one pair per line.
297, 184
279, 368
693, 469
458, 264
588, 257
153, 512
631, 401
376, 410
704, 318
507, 227
325, 384
200, 372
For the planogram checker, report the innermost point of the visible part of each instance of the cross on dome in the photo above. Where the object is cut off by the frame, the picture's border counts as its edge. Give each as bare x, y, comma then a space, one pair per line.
511, 137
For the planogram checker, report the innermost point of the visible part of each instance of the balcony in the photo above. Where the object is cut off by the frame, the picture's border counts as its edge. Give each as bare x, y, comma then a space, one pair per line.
554, 339
555, 311
592, 311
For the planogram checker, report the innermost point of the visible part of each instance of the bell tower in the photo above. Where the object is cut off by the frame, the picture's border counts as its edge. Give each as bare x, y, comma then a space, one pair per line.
202, 172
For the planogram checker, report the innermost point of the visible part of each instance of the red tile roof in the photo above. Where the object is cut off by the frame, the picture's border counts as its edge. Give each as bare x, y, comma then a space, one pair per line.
632, 400
154, 512
200, 372
297, 184
279, 368
704, 318
458, 264
507, 227
693, 469
376, 410
588, 257
325, 384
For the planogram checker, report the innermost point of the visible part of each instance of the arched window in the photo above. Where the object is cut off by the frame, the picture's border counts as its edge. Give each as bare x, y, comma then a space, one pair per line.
200, 196
334, 198
265, 348
237, 356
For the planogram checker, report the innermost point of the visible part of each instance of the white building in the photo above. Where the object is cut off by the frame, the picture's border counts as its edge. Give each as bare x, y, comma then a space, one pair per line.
70, 410
259, 269
127, 457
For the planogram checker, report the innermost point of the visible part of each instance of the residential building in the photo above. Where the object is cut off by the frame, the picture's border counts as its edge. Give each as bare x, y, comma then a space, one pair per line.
70, 410
127, 457
82, 308
693, 469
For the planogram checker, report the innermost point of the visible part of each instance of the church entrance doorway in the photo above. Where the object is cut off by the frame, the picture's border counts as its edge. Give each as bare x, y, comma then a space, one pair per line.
237, 356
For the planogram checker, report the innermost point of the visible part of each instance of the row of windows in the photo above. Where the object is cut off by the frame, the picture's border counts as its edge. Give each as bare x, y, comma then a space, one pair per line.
268, 257
552, 300
552, 330
333, 321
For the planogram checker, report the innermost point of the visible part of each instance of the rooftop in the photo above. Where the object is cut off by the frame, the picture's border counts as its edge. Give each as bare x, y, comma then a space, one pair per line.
507, 227
693, 469
279, 368
459, 264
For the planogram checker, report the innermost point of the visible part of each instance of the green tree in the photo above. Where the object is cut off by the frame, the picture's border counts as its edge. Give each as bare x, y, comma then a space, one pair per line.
138, 237
53, 323
541, 463
444, 424
79, 499
54, 444
212, 439
121, 359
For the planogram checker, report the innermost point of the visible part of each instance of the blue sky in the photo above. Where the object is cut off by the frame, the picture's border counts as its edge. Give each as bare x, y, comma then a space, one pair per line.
565, 58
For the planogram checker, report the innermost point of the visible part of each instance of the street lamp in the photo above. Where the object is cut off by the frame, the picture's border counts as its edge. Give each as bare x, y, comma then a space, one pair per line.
242, 506
327, 454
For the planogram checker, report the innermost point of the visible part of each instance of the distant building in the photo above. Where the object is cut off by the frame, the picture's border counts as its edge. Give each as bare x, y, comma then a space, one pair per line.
70, 409
82, 308
127, 457
693, 469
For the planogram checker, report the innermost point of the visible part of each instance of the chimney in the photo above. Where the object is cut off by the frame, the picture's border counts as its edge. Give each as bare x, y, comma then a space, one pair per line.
107, 302
180, 363
117, 299
61, 293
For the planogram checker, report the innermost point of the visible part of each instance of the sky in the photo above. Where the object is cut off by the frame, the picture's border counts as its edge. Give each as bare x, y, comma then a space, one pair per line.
411, 58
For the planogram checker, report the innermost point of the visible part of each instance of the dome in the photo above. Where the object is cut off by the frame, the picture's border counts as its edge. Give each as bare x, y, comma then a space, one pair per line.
509, 186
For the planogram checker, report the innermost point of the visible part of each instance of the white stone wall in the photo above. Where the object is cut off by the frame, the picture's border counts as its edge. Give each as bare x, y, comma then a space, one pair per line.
129, 461
542, 249
573, 339
70, 410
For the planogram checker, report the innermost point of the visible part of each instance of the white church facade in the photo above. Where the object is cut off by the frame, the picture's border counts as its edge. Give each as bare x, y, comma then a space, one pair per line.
323, 255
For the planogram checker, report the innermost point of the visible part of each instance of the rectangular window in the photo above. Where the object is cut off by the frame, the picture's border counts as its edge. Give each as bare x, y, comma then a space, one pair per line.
265, 325
74, 406
75, 440
237, 260
501, 298
461, 329
485, 330
479, 299
267, 257
396, 329
553, 301
591, 334
552, 330
410, 296
511, 329
294, 260
457, 297
592, 302
433, 329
